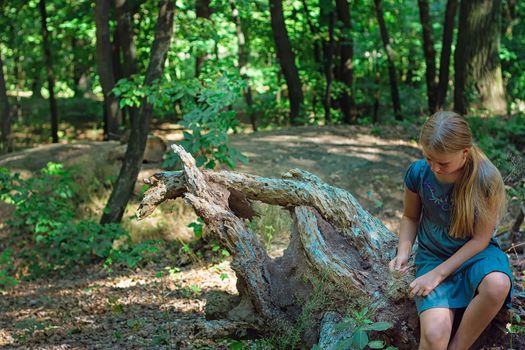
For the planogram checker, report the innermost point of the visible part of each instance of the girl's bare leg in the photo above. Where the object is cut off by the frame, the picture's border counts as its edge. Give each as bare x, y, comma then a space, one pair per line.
492, 292
436, 326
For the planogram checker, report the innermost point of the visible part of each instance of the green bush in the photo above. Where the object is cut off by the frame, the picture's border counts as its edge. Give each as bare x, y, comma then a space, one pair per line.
207, 115
7, 269
503, 140
45, 208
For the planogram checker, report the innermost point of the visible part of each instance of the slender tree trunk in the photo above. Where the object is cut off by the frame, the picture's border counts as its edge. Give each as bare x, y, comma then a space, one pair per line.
476, 60
377, 91
243, 61
346, 100
286, 59
390, 57
328, 50
140, 126
202, 9
50, 75
314, 31
430, 54
446, 49
5, 116
105, 69
127, 46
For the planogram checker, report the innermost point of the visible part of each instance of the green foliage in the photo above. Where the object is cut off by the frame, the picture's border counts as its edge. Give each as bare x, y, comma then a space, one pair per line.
27, 327
316, 302
208, 116
45, 207
7, 269
503, 141
197, 227
207, 126
358, 326
130, 255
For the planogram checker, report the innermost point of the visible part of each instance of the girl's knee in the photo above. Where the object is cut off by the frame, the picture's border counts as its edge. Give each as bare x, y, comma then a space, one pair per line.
436, 336
436, 327
495, 285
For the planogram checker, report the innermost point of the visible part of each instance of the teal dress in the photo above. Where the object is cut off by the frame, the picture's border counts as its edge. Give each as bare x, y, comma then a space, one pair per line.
435, 245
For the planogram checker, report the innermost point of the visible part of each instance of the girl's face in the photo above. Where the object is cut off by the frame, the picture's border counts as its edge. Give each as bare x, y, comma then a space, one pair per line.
446, 165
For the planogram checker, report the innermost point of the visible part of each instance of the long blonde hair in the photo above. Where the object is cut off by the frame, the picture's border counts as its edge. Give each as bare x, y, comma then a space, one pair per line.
480, 190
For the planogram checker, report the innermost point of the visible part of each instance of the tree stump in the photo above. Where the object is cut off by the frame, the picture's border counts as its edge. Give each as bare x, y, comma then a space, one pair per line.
336, 261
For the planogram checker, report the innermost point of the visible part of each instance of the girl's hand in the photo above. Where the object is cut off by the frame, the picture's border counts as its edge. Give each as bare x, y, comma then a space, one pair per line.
399, 265
423, 285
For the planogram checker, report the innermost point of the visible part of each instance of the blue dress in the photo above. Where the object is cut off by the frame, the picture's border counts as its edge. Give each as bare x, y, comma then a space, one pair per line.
435, 245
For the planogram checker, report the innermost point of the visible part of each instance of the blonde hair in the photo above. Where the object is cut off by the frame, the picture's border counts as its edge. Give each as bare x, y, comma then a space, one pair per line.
480, 190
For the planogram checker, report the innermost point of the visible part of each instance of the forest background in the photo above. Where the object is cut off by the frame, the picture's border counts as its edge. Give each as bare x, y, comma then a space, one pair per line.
200, 73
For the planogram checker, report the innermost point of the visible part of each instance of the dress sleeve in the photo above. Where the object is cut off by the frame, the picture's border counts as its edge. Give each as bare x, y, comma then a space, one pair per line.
413, 176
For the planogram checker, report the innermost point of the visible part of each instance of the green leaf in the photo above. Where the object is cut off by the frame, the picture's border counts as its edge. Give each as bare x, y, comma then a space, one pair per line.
344, 344
377, 326
360, 339
376, 344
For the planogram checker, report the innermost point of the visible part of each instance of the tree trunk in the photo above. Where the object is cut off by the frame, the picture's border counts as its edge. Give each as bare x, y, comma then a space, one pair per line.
390, 57
446, 49
346, 100
50, 75
337, 258
314, 31
287, 61
127, 46
328, 51
105, 69
140, 126
476, 59
430, 54
5, 116
202, 10
243, 61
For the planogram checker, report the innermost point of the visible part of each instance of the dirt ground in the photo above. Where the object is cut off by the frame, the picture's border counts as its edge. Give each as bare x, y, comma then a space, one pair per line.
161, 306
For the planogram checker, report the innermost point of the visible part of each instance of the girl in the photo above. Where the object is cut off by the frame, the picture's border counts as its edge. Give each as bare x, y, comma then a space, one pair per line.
452, 202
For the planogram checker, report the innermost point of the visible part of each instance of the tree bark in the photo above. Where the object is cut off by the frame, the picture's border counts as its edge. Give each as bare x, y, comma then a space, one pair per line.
105, 69
287, 61
476, 59
446, 49
243, 61
390, 57
346, 100
5, 116
328, 51
127, 46
335, 246
50, 74
202, 10
429, 53
140, 126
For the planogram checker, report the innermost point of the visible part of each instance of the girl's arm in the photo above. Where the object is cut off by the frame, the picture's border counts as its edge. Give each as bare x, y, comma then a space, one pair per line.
409, 222
407, 231
483, 229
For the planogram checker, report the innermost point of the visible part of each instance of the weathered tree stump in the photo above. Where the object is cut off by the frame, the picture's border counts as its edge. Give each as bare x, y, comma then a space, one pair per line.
337, 256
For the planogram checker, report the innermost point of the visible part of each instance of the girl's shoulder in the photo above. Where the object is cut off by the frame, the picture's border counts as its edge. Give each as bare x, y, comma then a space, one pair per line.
415, 173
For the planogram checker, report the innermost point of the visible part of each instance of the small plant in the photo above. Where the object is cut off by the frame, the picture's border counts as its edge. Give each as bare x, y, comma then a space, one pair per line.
114, 305
26, 328
359, 325
197, 227
269, 230
7, 270
191, 292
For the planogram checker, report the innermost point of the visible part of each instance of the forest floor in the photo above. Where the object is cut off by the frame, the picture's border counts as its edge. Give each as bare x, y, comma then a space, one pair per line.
162, 304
